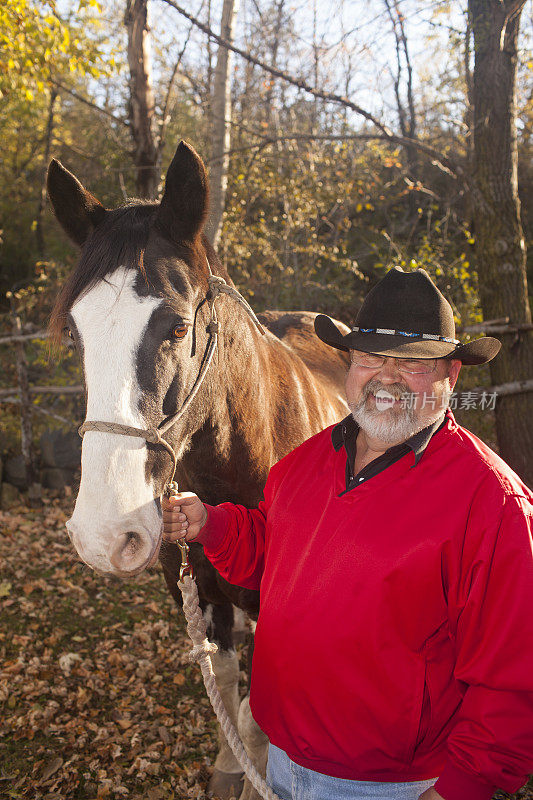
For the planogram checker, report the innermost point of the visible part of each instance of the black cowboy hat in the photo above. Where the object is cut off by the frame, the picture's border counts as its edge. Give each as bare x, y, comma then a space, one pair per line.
406, 316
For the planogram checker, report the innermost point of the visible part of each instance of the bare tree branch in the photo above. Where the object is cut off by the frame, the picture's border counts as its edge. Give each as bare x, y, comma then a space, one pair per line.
514, 8
165, 115
37, 409
89, 103
397, 78
166, 104
442, 162
266, 141
410, 101
44, 390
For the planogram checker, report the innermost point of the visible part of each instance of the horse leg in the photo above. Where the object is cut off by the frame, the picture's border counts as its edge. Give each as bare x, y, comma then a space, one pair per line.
252, 737
226, 780
256, 744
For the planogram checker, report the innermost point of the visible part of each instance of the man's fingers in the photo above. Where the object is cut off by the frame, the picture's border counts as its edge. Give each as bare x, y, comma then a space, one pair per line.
188, 535
187, 499
183, 516
174, 516
178, 528
175, 527
181, 499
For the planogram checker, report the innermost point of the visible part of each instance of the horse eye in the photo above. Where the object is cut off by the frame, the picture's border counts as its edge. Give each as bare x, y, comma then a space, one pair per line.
67, 332
179, 331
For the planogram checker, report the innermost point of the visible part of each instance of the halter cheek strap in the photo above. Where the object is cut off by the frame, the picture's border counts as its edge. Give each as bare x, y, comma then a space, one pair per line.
217, 286
151, 435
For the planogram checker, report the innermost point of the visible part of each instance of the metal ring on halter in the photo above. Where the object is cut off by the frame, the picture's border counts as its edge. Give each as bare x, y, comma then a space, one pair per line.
186, 568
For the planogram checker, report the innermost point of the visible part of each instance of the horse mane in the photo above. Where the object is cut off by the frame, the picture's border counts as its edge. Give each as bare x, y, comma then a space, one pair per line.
120, 240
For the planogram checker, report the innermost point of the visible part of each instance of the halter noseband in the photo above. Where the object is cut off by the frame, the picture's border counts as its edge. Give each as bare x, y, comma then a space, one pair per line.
217, 286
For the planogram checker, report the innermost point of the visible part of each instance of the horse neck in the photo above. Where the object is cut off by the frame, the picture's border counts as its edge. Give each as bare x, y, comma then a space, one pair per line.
230, 446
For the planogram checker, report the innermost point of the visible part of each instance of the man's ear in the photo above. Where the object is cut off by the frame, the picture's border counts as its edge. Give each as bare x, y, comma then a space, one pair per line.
455, 369
77, 210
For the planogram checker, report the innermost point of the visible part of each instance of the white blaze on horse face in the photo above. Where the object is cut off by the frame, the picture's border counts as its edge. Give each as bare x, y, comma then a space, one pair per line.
116, 525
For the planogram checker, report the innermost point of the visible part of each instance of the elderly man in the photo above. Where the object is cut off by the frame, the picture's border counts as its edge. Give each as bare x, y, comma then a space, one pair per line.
394, 648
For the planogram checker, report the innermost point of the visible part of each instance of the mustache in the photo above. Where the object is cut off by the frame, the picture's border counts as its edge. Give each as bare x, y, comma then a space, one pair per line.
374, 385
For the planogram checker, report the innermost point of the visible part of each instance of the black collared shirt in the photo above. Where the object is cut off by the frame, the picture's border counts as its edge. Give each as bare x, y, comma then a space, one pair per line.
345, 433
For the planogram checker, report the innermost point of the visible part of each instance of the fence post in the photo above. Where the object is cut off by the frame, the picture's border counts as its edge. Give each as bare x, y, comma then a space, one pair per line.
26, 431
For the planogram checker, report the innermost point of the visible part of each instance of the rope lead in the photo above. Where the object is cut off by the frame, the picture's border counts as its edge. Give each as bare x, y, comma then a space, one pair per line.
201, 652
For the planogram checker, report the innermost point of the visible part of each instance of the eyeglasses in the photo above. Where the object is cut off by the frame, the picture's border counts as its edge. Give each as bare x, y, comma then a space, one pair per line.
410, 366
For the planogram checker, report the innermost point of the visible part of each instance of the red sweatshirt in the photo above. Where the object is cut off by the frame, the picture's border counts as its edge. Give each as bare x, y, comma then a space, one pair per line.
395, 636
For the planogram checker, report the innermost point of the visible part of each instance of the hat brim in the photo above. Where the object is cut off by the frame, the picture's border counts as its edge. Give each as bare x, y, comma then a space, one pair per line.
477, 352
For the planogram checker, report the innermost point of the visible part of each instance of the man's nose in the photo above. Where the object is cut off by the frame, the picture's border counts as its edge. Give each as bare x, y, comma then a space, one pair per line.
389, 372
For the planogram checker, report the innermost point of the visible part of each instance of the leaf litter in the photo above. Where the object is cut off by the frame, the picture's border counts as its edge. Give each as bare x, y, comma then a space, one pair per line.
97, 696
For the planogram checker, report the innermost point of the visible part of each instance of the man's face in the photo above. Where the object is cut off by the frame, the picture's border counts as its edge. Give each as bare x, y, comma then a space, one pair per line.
391, 405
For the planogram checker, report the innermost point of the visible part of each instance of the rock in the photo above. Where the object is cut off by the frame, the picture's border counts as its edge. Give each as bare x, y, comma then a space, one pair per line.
9, 495
35, 493
61, 450
15, 471
53, 478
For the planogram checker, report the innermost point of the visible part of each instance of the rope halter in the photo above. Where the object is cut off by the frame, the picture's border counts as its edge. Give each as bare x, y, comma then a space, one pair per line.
217, 286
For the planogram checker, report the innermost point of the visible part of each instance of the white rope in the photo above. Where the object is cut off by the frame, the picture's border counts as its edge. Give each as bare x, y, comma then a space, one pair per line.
201, 652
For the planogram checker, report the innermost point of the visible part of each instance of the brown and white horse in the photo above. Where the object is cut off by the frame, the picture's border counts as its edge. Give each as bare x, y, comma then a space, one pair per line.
135, 307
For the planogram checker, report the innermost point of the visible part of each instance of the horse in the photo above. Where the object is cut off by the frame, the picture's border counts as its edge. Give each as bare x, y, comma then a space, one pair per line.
138, 306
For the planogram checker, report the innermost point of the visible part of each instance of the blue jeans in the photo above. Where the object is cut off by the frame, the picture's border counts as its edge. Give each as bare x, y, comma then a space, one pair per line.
292, 782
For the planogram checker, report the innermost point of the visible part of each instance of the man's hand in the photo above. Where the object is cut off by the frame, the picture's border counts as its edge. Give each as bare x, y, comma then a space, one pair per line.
430, 794
184, 515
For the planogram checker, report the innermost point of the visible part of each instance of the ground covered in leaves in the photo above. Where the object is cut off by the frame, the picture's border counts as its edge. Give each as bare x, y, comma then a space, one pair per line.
97, 696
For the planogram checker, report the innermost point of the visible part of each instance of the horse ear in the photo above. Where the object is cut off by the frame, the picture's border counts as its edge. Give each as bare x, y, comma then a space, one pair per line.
183, 209
77, 211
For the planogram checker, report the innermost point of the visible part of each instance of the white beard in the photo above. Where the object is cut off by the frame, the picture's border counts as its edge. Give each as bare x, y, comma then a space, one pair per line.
396, 424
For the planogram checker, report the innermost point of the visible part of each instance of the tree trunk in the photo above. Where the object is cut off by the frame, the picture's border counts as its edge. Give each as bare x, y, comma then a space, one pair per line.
26, 430
221, 124
269, 97
39, 232
406, 115
500, 246
141, 100
468, 115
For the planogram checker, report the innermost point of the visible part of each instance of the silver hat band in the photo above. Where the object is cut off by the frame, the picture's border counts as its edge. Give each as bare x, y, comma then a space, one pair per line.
409, 334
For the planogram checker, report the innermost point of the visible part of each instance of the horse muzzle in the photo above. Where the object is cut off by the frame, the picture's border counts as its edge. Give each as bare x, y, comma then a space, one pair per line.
123, 554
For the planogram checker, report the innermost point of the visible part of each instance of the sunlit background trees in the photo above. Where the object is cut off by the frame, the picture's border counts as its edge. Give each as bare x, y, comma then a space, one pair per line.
342, 139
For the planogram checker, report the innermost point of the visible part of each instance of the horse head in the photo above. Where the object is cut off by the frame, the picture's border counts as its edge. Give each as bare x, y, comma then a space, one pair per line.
135, 306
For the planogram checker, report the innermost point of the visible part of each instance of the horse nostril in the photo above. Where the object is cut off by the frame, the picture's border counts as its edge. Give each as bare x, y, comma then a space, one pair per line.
132, 543
131, 550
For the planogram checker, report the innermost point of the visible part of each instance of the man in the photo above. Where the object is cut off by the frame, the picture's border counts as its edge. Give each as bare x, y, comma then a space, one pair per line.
394, 648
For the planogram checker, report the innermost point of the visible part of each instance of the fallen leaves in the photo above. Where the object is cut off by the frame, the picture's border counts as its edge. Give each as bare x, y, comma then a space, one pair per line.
66, 662
97, 697
51, 767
